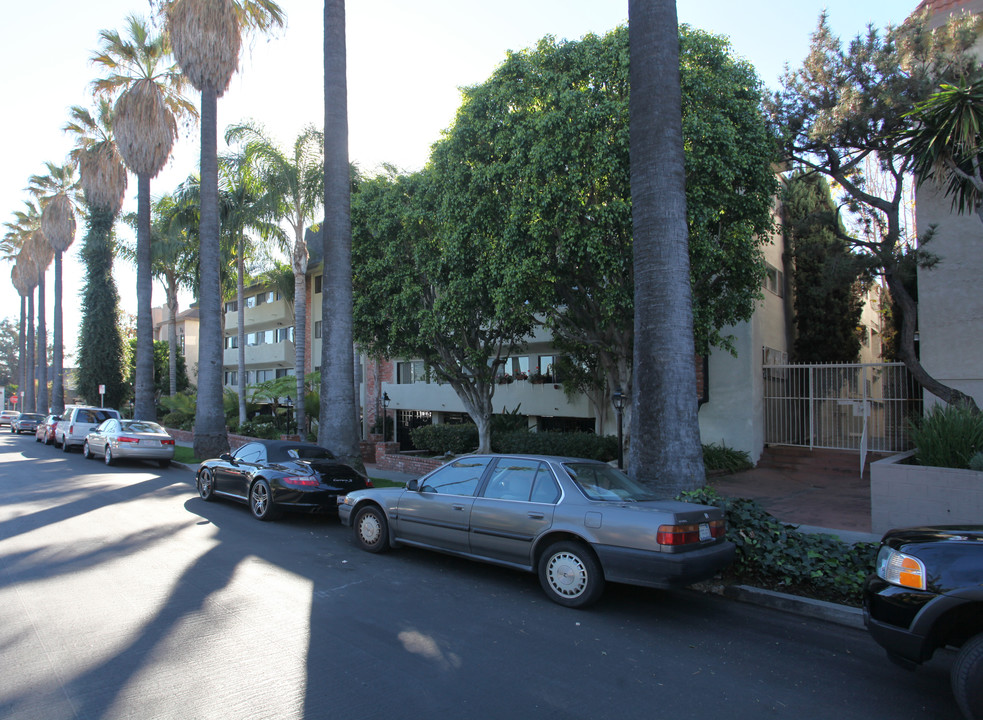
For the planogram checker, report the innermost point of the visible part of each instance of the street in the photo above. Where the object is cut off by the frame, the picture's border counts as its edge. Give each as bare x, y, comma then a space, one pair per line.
123, 595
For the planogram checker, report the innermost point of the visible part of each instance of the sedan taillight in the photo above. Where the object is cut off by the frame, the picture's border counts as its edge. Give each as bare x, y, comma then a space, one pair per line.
300, 481
125, 439
691, 533
169, 441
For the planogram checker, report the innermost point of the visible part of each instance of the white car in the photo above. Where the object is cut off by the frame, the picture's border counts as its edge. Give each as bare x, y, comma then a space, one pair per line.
130, 439
6, 416
78, 421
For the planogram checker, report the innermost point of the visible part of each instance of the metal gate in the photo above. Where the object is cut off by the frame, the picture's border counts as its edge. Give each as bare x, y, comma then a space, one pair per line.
861, 406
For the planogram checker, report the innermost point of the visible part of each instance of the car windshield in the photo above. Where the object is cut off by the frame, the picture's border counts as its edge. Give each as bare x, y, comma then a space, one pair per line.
304, 452
30, 416
605, 483
141, 426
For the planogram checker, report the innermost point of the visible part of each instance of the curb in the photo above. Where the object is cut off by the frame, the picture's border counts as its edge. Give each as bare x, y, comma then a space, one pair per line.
795, 604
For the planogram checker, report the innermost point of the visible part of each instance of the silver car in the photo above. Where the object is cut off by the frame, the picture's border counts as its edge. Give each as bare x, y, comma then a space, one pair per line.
576, 523
130, 439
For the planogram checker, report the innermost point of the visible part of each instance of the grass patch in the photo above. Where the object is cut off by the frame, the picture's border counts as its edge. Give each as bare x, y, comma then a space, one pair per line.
383, 483
185, 455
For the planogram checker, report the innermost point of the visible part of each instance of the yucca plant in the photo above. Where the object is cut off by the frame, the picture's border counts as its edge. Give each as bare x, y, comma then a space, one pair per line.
948, 436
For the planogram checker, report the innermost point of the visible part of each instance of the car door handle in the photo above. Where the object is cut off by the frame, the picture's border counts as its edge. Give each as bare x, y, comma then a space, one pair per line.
537, 515
458, 507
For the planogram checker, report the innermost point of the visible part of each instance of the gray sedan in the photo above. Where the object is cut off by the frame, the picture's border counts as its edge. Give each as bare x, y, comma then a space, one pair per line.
576, 523
132, 439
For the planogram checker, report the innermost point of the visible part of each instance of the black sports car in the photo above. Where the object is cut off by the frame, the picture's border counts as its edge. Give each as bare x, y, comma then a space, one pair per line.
271, 475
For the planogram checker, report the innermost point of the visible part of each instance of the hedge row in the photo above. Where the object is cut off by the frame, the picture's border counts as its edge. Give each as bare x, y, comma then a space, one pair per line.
461, 439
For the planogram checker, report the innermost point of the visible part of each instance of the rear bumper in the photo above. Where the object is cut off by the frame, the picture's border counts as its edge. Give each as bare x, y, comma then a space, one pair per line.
663, 570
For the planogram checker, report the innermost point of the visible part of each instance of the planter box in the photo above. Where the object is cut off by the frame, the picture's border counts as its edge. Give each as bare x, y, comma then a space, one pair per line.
904, 495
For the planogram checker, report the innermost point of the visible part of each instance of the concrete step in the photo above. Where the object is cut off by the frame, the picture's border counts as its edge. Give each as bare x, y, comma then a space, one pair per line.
803, 459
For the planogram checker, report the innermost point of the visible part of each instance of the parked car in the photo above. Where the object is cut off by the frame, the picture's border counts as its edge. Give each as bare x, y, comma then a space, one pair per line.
130, 440
77, 422
25, 422
926, 594
6, 416
274, 475
576, 523
45, 432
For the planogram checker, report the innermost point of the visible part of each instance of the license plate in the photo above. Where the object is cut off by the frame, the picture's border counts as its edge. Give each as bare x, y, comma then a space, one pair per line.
705, 532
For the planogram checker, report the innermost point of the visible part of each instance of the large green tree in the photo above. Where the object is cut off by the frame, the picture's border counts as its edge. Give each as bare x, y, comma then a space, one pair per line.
149, 101
426, 289
338, 420
845, 106
206, 36
827, 277
538, 159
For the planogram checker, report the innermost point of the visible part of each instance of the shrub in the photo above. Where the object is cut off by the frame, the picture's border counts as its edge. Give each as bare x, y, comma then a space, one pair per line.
948, 436
976, 462
777, 555
441, 439
574, 444
721, 457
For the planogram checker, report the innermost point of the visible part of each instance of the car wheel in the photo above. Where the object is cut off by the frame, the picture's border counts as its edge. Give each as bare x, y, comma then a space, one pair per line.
261, 500
86, 450
64, 445
371, 530
108, 457
164, 463
967, 678
570, 574
206, 485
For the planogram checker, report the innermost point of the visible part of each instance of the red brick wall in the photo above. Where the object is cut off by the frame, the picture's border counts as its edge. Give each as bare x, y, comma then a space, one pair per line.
385, 370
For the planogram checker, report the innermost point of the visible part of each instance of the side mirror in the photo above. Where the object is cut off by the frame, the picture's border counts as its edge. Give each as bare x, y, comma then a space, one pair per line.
227, 458
413, 485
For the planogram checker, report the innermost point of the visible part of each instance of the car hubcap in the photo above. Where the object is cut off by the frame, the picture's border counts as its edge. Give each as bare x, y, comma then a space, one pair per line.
205, 484
260, 499
109, 456
567, 575
370, 529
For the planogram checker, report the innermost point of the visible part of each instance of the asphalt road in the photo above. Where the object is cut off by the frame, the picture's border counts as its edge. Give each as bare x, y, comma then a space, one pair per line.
123, 595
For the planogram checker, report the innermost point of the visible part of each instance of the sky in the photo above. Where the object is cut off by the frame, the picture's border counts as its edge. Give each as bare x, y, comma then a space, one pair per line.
406, 63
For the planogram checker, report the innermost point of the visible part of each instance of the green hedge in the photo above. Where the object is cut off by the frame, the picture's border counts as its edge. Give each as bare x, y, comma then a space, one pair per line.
441, 439
573, 444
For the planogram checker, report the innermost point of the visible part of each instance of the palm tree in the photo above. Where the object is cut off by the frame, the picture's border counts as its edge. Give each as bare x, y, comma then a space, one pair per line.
149, 102
206, 37
42, 254
58, 194
29, 280
103, 182
338, 422
295, 185
665, 451
17, 280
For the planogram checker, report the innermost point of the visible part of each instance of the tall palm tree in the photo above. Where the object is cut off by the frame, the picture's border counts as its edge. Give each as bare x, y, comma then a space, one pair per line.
17, 280
103, 182
58, 193
42, 254
338, 421
29, 278
206, 37
665, 451
295, 185
149, 103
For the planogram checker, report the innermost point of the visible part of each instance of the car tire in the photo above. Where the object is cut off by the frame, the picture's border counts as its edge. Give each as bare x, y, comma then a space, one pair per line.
87, 451
371, 529
164, 464
570, 574
206, 485
108, 456
261, 500
64, 445
967, 678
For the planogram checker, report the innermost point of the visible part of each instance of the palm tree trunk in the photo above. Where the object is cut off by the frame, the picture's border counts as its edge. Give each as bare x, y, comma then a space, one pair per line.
172, 336
58, 358
665, 451
30, 399
337, 430
22, 354
144, 406
211, 438
240, 330
300, 339
42, 352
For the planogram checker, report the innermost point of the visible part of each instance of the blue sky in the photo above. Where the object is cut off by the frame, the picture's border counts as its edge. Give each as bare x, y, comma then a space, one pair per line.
406, 61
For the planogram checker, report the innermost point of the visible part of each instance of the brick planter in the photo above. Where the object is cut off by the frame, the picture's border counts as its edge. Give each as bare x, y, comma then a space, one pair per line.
903, 495
408, 463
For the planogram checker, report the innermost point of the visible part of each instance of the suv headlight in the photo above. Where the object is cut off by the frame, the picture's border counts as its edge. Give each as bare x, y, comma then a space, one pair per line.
900, 569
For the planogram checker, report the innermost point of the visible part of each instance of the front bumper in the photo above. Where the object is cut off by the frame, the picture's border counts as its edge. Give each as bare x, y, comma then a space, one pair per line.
890, 614
663, 570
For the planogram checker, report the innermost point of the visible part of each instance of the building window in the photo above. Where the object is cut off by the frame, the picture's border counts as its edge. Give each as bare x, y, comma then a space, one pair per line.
285, 372
317, 328
251, 301
231, 378
285, 334
317, 284
231, 341
408, 373
547, 368
232, 306
774, 280
180, 341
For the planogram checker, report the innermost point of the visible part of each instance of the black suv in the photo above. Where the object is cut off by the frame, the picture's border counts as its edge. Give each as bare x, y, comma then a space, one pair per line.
927, 593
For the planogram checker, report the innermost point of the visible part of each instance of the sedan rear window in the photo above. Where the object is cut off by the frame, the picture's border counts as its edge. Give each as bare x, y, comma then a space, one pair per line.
605, 483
